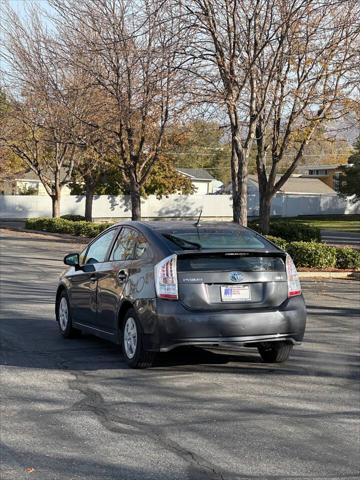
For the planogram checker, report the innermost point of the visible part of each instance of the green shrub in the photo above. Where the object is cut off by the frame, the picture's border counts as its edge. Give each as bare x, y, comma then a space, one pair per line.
295, 232
73, 218
279, 242
40, 223
89, 229
61, 225
290, 231
347, 258
304, 254
312, 254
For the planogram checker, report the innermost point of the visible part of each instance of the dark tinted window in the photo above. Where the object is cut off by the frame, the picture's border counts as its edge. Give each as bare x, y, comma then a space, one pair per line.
130, 245
98, 250
229, 263
232, 239
124, 246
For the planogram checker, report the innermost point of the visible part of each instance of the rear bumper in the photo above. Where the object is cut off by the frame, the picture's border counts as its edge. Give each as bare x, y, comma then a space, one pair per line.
172, 325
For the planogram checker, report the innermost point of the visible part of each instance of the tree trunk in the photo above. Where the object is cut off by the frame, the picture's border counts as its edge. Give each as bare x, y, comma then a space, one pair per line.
236, 207
88, 205
243, 188
264, 212
234, 184
89, 197
135, 201
239, 173
55, 200
56, 196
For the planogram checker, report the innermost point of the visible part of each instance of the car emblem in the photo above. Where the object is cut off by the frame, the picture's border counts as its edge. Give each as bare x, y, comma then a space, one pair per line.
236, 276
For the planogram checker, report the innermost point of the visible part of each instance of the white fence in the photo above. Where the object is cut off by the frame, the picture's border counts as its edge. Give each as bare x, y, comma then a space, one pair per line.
214, 207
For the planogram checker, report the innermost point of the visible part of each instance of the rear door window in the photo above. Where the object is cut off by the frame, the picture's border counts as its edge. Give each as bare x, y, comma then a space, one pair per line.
124, 246
130, 245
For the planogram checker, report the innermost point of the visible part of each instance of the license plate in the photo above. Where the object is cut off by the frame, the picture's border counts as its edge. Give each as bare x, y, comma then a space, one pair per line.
235, 293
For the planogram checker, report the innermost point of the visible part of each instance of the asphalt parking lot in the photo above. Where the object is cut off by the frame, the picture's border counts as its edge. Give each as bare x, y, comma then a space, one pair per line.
71, 409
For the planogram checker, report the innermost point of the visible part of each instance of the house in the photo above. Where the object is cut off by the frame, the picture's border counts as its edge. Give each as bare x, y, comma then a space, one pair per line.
329, 174
201, 179
295, 185
25, 183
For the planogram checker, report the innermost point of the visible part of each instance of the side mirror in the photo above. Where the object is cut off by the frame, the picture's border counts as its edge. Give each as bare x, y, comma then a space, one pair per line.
72, 259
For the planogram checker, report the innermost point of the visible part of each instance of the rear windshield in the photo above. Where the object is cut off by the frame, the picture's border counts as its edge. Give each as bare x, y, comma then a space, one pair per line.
230, 263
232, 239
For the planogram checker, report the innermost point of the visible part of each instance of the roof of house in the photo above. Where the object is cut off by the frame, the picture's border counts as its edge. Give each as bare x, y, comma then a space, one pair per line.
306, 185
295, 184
30, 175
303, 168
196, 173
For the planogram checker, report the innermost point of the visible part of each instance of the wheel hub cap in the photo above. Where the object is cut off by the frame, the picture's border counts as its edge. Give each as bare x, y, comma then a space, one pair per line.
130, 337
63, 314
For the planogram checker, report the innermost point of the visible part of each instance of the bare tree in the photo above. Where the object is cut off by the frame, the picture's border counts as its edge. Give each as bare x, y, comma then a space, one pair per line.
128, 50
39, 125
282, 66
230, 35
304, 78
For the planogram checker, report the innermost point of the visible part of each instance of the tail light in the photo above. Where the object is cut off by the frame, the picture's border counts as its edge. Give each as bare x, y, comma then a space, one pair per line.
166, 283
294, 287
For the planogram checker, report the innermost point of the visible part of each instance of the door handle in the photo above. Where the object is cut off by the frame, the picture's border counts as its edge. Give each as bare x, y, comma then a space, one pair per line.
93, 278
122, 276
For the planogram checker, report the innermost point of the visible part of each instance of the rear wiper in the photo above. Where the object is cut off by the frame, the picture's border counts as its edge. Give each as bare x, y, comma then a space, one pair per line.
181, 242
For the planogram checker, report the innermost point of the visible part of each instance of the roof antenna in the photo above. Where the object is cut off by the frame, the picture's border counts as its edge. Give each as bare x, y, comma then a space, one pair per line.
197, 223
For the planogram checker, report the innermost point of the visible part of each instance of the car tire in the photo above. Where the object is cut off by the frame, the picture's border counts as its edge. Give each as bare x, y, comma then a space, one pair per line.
132, 343
276, 352
63, 317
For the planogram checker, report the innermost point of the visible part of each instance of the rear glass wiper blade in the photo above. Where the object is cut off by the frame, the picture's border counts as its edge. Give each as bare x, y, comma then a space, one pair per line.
181, 242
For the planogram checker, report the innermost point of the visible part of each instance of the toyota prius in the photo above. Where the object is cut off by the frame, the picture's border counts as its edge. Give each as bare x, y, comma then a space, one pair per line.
155, 286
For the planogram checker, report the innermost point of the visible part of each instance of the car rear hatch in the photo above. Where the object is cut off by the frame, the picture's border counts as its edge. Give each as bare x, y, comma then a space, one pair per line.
210, 280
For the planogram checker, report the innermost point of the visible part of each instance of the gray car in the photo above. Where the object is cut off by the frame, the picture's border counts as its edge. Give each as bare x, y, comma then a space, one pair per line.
155, 286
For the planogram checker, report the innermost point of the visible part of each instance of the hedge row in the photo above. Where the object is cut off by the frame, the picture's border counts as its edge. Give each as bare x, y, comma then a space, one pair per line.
291, 232
62, 225
305, 254
319, 255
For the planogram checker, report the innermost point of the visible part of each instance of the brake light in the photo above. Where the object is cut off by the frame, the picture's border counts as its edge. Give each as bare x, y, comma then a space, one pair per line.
294, 287
166, 283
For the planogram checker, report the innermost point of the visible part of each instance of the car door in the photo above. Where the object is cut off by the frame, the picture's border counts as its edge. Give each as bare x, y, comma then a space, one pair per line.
129, 246
83, 282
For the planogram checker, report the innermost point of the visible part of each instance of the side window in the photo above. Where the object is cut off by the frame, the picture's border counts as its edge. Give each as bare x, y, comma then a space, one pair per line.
124, 245
130, 245
142, 248
98, 250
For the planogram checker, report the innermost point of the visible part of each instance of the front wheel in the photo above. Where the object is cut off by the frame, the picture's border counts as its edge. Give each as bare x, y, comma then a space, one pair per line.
132, 342
276, 352
63, 317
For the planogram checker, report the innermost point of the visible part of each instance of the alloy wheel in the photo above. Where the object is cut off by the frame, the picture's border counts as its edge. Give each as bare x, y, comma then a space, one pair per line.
63, 313
130, 337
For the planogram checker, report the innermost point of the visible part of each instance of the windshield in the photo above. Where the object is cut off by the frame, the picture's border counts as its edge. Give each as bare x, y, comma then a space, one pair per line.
232, 239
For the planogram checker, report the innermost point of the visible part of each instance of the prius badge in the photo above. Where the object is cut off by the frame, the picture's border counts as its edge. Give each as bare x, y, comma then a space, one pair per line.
236, 277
